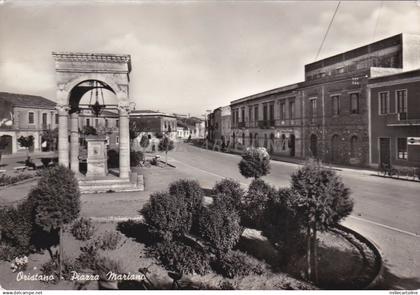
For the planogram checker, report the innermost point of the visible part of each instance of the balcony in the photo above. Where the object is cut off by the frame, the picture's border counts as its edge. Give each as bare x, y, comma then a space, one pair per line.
403, 119
266, 124
241, 125
288, 122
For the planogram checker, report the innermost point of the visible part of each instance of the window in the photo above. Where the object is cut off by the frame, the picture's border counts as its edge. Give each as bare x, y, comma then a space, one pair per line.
265, 112
44, 119
96, 122
292, 109
340, 70
256, 113
250, 114
87, 122
402, 148
106, 122
117, 139
271, 110
56, 119
282, 110
354, 103
243, 114
401, 101
353, 146
335, 104
117, 123
312, 108
31, 119
383, 103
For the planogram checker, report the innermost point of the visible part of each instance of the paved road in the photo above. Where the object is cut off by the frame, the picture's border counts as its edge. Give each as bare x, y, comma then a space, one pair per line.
386, 211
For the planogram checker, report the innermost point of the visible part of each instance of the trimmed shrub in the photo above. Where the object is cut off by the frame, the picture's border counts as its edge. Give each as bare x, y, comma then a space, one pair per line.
110, 240
49, 268
56, 199
16, 231
113, 159
255, 163
231, 192
168, 215
283, 227
238, 264
178, 257
255, 202
190, 191
88, 255
104, 265
83, 229
220, 227
136, 157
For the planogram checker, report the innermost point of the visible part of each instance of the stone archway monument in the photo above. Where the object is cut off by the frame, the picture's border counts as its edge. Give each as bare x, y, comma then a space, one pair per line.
74, 74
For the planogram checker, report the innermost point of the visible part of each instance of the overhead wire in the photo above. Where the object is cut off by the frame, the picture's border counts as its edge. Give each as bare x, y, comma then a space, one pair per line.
327, 31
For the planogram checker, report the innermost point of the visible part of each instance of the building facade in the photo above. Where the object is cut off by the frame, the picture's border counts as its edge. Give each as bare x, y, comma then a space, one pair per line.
335, 97
154, 124
327, 115
270, 119
25, 115
394, 119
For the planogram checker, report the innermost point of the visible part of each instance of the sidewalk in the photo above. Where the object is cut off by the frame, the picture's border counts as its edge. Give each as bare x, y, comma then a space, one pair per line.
300, 161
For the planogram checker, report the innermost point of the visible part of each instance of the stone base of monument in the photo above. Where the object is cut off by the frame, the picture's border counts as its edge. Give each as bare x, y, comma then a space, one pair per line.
110, 183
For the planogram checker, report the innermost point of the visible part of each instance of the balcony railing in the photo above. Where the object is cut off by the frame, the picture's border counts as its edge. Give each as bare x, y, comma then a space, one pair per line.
241, 125
288, 122
403, 119
266, 124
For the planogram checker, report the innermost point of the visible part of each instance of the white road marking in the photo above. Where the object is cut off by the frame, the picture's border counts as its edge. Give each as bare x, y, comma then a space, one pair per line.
386, 226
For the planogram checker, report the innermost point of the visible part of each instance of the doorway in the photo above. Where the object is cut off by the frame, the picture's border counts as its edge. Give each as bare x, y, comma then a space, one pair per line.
384, 151
292, 140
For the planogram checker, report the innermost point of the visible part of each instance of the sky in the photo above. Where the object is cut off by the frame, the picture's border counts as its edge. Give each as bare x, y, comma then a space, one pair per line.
190, 56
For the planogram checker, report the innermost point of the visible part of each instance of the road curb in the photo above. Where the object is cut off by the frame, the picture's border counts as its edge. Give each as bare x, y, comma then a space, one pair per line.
379, 260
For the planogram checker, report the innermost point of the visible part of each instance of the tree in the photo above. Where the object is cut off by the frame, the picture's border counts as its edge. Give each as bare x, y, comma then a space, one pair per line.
89, 130
55, 202
135, 129
26, 142
51, 137
255, 202
144, 141
220, 227
321, 200
255, 163
166, 145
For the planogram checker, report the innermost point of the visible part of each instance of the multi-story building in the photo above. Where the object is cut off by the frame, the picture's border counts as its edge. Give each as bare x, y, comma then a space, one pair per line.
25, 115
394, 119
327, 115
155, 121
225, 124
105, 124
215, 126
154, 124
335, 97
272, 119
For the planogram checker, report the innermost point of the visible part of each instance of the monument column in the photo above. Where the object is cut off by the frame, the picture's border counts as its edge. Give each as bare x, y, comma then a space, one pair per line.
63, 141
124, 141
74, 142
